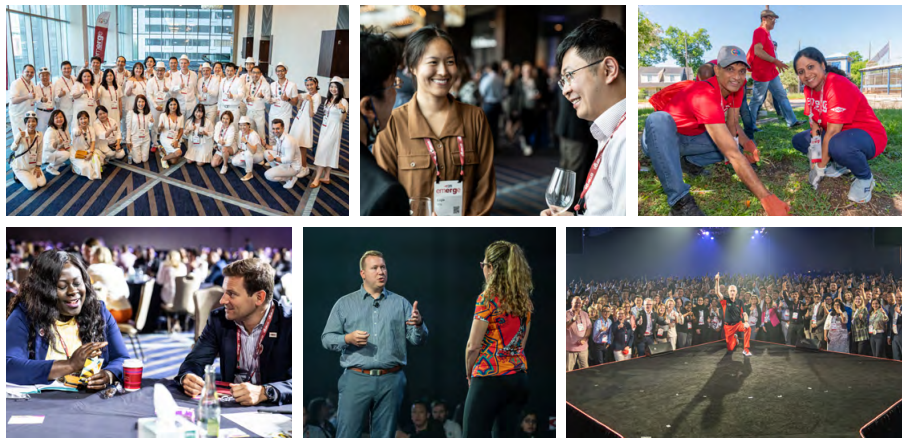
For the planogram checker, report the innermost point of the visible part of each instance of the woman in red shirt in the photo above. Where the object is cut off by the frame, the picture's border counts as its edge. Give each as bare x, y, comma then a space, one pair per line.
496, 367
841, 116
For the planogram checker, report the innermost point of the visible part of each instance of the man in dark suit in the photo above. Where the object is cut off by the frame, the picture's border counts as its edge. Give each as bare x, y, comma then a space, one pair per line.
379, 192
645, 328
252, 334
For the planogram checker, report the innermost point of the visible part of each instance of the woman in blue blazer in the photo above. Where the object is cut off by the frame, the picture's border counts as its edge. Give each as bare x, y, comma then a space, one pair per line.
621, 336
57, 322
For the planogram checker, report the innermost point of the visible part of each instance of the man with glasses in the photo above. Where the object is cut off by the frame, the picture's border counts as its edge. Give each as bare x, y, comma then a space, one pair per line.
593, 78
380, 193
735, 318
697, 124
22, 98
765, 68
645, 328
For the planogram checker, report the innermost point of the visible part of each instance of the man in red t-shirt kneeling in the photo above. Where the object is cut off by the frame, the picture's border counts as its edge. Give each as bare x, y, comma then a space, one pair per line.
735, 318
696, 124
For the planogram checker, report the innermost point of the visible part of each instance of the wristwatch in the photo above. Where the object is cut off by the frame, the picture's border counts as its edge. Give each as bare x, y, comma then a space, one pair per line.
272, 393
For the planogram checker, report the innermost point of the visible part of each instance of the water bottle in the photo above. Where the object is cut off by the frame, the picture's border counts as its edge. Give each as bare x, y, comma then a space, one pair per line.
209, 407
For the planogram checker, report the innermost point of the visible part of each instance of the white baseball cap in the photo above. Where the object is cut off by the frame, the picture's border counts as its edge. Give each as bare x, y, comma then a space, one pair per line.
245, 120
184, 57
250, 60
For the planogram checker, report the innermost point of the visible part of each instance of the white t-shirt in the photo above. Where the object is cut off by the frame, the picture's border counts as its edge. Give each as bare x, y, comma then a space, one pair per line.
280, 107
21, 88
212, 83
288, 150
256, 89
106, 135
251, 139
44, 96
67, 86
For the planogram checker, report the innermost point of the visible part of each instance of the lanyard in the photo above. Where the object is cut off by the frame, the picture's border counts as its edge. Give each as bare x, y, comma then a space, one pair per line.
815, 103
184, 82
142, 125
205, 84
227, 90
143, 85
223, 130
112, 93
595, 165
89, 91
85, 135
32, 144
66, 85
61, 134
261, 338
434, 157
255, 91
105, 126
157, 86
28, 87
60, 337
45, 94
281, 89
169, 122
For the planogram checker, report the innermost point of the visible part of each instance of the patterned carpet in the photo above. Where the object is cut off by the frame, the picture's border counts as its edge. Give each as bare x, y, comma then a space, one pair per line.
521, 182
183, 189
164, 353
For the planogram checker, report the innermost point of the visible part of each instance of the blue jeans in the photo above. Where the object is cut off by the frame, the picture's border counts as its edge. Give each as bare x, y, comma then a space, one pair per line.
851, 148
641, 345
749, 124
379, 396
665, 146
780, 96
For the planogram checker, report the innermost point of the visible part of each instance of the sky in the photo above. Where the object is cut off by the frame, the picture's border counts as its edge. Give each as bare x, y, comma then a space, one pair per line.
831, 29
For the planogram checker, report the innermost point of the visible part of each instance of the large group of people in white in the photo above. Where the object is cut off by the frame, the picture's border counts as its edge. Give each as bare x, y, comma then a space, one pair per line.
220, 115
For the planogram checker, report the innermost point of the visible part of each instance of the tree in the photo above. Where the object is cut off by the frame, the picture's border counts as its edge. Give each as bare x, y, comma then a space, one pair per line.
855, 73
649, 41
696, 46
789, 78
855, 55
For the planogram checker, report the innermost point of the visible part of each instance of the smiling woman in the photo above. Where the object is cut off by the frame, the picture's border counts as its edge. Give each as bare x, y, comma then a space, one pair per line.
438, 147
57, 322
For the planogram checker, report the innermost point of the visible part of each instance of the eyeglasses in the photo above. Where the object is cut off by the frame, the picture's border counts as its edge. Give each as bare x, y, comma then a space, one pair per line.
567, 78
483, 264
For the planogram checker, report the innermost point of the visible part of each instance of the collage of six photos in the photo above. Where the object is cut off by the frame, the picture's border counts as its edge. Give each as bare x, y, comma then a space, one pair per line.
464, 110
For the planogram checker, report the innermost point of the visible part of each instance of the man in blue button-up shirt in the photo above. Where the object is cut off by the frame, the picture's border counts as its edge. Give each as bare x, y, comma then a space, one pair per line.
370, 328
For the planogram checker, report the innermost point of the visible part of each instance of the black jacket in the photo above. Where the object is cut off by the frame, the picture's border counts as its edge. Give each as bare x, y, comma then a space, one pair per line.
379, 193
641, 322
218, 339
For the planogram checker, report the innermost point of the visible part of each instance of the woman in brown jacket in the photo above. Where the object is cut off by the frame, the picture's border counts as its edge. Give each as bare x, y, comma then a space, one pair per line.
435, 142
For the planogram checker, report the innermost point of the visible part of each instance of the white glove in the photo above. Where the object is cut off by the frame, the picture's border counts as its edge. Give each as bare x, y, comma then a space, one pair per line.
815, 175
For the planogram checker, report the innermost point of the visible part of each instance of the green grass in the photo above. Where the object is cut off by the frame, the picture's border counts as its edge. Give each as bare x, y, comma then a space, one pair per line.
784, 171
795, 95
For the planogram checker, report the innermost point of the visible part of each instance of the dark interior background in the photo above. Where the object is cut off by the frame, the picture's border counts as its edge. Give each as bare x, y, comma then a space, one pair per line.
681, 251
160, 237
439, 268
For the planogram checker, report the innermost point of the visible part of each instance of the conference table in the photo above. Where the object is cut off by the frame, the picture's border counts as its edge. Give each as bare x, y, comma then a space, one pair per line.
86, 414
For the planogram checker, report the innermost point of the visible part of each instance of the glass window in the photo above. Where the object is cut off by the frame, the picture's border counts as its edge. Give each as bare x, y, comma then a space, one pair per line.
18, 35
39, 38
162, 32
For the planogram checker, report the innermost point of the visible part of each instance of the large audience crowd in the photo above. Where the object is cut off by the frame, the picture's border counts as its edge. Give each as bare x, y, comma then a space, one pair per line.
846, 312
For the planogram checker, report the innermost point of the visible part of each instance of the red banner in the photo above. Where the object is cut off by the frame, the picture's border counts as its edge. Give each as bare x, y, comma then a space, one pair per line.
100, 35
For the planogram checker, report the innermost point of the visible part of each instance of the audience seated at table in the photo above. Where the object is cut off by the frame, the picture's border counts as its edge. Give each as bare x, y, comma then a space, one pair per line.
56, 322
253, 336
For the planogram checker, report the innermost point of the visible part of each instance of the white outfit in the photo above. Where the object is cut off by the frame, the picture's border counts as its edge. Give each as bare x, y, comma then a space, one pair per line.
138, 133
282, 110
158, 95
258, 95
607, 196
87, 101
287, 149
27, 161
109, 98
328, 152
65, 103
246, 79
96, 78
121, 78
244, 157
209, 99
91, 167
224, 137
106, 135
182, 87
21, 88
302, 124
237, 88
112, 280
44, 105
166, 277
200, 148
131, 91
56, 157
168, 136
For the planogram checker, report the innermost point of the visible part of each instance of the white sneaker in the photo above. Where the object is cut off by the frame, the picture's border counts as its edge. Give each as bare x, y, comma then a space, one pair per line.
247, 177
861, 190
223, 168
51, 170
747, 353
304, 172
164, 164
289, 184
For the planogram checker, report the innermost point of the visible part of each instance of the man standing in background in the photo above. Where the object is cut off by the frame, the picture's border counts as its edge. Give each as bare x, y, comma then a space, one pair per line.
765, 68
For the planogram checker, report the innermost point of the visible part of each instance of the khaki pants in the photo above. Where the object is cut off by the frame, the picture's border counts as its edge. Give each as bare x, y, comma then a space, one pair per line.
580, 358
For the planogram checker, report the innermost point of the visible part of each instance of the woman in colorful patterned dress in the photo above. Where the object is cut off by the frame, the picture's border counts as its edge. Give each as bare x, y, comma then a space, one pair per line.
496, 367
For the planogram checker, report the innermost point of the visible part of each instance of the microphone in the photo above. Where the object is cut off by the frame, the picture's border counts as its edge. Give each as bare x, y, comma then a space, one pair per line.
376, 304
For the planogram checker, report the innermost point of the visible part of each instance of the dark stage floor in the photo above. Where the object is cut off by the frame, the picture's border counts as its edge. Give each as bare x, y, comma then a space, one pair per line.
702, 392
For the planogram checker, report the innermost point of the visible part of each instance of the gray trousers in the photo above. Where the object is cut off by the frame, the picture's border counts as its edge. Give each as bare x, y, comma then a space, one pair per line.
578, 359
378, 397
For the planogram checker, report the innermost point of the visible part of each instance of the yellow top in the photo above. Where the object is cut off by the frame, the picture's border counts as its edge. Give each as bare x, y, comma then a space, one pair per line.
70, 333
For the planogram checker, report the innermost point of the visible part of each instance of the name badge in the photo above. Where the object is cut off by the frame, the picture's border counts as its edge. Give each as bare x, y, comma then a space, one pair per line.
580, 326
32, 103
449, 198
65, 146
171, 134
689, 325
113, 107
196, 139
160, 96
795, 315
91, 102
33, 158
142, 133
184, 91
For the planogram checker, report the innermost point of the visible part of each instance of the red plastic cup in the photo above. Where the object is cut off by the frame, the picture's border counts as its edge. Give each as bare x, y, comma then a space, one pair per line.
132, 370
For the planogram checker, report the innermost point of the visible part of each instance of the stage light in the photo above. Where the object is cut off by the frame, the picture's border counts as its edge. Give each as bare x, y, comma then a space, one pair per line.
756, 232
753, 237
705, 233
713, 237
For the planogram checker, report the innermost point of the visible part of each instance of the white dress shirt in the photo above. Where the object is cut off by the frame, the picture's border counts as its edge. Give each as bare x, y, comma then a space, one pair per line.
607, 196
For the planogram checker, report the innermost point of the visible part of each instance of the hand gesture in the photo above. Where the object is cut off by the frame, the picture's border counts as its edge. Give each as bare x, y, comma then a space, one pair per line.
86, 351
247, 394
283, 97
270, 158
356, 338
415, 319
717, 276
193, 385
21, 134
100, 380
781, 65
230, 95
61, 93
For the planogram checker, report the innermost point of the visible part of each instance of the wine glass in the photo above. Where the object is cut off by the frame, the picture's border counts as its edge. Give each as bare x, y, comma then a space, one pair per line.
419, 206
561, 189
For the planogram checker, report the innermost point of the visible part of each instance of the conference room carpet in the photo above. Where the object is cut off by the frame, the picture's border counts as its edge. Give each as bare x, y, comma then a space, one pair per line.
522, 181
164, 353
182, 189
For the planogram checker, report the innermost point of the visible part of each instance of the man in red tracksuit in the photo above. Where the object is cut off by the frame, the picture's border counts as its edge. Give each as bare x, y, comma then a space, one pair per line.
735, 318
